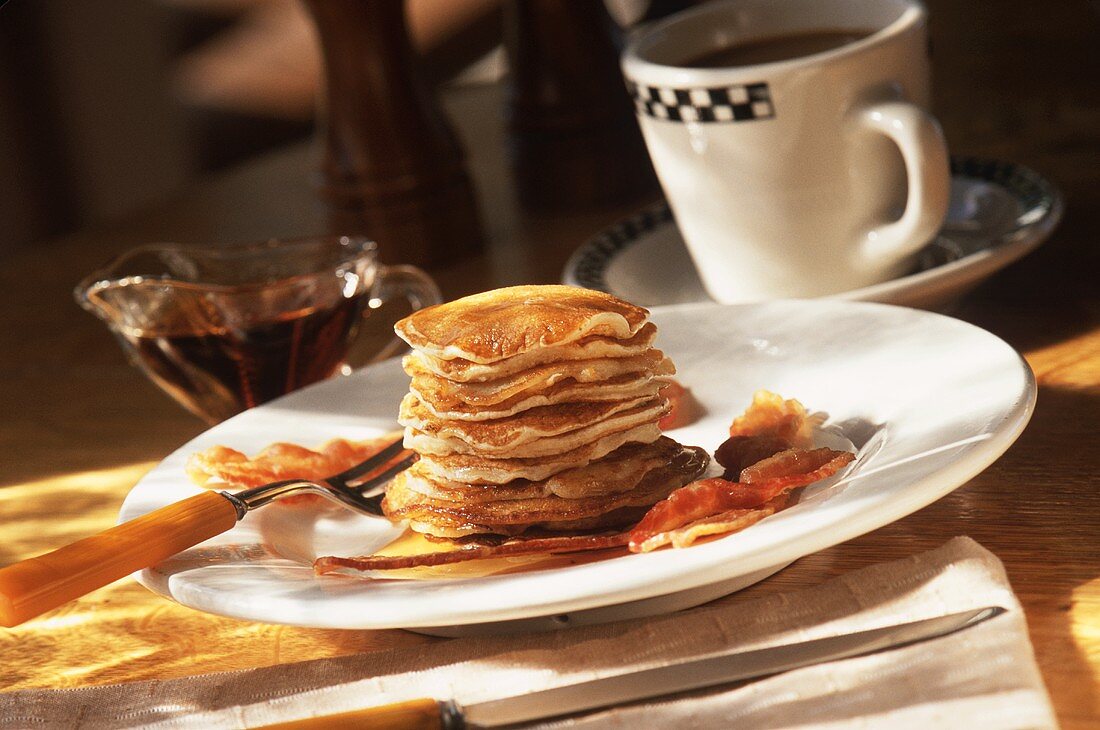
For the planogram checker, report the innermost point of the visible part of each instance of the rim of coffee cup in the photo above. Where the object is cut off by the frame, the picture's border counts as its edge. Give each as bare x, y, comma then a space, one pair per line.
638, 66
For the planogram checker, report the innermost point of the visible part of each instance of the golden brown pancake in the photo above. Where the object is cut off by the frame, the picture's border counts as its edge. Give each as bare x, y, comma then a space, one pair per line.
586, 348
442, 528
503, 323
446, 394
619, 471
478, 469
443, 518
631, 386
502, 434
420, 480
541, 438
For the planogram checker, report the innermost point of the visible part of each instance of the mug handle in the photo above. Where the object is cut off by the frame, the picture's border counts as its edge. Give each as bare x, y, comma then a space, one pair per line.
920, 139
402, 281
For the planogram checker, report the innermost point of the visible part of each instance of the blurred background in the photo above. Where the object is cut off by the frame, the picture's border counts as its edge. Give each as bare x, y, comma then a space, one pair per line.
107, 108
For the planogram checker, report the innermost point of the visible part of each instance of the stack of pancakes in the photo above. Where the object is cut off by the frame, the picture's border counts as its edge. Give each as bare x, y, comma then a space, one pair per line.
533, 409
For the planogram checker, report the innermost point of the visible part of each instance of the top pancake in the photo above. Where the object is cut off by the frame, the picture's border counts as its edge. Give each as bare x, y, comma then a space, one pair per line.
502, 323
591, 347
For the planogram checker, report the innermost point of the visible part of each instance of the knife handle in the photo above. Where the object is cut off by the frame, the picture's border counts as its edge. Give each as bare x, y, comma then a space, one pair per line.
424, 714
36, 585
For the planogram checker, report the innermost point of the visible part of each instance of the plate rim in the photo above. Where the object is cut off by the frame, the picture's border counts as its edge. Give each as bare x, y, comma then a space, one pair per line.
922, 491
587, 265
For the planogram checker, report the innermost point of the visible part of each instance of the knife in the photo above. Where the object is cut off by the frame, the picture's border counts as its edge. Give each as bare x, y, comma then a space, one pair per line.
430, 714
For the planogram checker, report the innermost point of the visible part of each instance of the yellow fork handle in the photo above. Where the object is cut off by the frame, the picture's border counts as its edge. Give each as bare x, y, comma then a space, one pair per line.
412, 715
34, 586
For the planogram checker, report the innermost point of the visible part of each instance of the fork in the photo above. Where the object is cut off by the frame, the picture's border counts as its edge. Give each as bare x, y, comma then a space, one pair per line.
34, 586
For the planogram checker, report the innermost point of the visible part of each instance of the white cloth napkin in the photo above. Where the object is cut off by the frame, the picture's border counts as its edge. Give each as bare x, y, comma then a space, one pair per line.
983, 677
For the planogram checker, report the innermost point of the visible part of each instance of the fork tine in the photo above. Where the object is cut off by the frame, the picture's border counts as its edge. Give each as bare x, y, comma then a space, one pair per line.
370, 464
335, 487
381, 479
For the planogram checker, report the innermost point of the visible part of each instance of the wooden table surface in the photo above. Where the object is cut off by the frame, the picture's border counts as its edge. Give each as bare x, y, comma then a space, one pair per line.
80, 426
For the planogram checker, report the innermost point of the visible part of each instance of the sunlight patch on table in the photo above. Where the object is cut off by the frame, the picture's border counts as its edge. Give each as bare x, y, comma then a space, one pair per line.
1085, 623
43, 515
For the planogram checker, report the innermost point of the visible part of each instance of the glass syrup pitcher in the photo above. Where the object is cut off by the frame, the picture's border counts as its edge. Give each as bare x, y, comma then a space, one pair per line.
225, 329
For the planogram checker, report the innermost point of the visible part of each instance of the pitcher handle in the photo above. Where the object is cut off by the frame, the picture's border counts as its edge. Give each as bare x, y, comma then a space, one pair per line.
419, 289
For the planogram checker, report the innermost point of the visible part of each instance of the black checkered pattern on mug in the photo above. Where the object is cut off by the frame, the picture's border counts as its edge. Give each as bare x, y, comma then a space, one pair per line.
738, 103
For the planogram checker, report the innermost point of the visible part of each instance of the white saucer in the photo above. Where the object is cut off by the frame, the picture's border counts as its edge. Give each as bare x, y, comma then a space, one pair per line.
999, 212
927, 400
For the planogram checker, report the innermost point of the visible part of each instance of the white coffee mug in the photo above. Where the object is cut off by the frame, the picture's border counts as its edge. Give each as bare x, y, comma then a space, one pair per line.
800, 177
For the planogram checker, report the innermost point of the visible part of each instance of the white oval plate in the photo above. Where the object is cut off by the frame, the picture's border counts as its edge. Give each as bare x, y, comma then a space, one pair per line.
928, 400
999, 212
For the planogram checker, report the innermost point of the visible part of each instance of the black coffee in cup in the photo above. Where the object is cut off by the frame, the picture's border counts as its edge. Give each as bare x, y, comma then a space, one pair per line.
777, 48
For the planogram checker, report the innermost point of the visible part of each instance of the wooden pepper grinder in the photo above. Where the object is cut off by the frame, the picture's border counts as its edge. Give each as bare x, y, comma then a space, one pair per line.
393, 168
575, 141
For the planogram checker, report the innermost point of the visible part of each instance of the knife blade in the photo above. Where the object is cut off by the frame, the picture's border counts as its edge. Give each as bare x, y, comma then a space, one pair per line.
709, 671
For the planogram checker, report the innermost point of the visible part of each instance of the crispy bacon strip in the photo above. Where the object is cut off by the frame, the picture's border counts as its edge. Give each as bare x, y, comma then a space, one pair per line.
707, 497
685, 409
768, 426
770, 415
518, 546
738, 452
793, 462
279, 461
720, 524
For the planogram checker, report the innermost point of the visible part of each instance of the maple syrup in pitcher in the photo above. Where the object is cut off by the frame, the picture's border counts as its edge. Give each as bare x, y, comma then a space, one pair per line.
217, 372
226, 328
